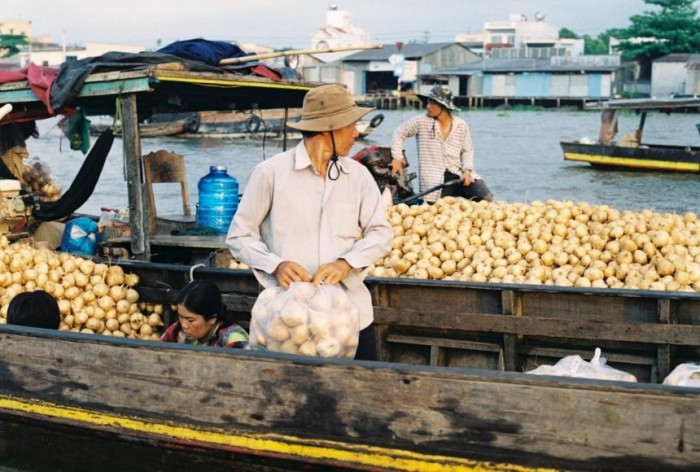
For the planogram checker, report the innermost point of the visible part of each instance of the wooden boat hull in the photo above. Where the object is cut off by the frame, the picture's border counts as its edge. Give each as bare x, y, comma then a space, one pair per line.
342, 413
424, 408
262, 123
651, 157
156, 129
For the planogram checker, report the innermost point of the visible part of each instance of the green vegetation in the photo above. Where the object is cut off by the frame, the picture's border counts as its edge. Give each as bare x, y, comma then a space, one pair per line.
591, 45
9, 44
653, 34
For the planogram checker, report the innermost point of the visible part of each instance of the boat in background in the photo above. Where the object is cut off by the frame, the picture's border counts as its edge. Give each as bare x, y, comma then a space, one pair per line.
185, 123
630, 151
227, 124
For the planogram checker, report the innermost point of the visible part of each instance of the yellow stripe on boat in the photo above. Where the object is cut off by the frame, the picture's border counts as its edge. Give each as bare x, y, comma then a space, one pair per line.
630, 162
320, 450
230, 82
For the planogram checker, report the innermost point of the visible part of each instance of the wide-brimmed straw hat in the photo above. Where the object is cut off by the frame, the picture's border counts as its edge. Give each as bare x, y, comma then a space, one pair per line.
440, 94
327, 108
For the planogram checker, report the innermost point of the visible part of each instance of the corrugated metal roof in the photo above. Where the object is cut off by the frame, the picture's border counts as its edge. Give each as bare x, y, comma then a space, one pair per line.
674, 57
410, 51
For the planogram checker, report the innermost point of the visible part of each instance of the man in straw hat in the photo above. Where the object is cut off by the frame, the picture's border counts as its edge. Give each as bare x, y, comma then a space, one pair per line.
445, 151
311, 214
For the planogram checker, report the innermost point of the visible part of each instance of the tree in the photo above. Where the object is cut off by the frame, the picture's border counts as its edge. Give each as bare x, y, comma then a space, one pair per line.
653, 34
566, 33
591, 45
597, 45
9, 44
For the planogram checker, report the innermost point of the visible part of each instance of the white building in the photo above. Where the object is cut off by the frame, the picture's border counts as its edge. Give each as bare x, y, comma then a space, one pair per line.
338, 32
53, 55
520, 37
15, 27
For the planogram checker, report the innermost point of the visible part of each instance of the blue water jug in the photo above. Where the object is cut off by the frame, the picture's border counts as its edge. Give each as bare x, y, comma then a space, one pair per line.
218, 200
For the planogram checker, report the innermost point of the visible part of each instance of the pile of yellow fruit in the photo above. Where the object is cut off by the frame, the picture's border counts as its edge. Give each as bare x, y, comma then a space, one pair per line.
552, 242
92, 297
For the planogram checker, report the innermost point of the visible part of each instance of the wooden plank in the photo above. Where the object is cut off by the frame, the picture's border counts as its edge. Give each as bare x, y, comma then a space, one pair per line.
138, 212
513, 307
610, 356
343, 406
539, 326
443, 342
666, 315
125, 86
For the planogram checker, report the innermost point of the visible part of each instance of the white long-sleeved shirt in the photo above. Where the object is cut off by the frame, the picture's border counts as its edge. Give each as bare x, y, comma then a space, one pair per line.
435, 154
289, 212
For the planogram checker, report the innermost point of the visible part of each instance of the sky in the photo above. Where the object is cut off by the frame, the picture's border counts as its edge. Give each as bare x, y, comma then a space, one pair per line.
290, 23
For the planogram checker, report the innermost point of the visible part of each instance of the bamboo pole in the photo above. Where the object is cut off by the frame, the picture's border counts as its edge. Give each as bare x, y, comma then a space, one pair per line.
270, 55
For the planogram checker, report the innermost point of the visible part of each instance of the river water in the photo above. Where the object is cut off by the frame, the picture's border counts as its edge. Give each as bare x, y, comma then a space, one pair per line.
516, 152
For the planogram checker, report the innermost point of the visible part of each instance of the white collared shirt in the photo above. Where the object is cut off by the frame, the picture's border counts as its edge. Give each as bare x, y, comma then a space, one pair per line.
289, 212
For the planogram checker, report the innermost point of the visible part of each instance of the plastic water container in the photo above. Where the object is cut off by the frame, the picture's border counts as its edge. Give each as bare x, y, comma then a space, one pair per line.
218, 200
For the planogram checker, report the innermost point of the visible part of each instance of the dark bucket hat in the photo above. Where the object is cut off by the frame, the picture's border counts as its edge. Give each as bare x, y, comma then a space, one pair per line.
440, 94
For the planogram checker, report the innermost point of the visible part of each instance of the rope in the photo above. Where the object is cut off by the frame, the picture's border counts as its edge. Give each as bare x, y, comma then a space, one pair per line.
192, 269
334, 162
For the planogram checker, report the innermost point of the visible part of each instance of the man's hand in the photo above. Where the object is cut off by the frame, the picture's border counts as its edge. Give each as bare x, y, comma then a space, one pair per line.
288, 272
467, 178
332, 273
396, 166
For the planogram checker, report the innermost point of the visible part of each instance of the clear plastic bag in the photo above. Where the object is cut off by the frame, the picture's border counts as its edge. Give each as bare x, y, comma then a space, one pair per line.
684, 375
306, 320
575, 366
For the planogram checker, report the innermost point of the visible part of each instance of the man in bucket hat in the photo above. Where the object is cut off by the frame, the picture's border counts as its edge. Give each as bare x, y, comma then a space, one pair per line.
311, 214
445, 150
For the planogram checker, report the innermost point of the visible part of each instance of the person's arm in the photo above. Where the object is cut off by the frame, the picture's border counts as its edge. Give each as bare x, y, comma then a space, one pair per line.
377, 234
400, 135
244, 238
467, 157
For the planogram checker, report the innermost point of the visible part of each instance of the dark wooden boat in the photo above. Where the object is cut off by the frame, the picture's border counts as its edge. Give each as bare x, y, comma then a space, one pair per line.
631, 152
250, 124
448, 395
185, 123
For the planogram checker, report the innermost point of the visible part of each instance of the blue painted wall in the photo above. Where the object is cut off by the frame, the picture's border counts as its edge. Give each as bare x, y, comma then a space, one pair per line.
595, 83
533, 85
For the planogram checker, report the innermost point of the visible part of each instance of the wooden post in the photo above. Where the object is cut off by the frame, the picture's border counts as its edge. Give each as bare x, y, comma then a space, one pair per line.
512, 306
667, 315
138, 213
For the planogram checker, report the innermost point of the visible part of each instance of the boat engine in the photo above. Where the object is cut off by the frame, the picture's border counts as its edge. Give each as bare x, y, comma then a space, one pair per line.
377, 159
13, 206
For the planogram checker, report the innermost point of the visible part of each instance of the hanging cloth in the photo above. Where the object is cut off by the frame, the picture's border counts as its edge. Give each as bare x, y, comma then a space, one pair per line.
83, 185
77, 129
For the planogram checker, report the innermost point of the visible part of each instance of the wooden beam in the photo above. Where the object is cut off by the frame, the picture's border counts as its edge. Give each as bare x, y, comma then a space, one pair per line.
138, 212
543, 326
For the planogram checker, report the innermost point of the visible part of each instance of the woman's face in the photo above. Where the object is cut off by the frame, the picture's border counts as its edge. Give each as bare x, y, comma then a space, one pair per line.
195, 326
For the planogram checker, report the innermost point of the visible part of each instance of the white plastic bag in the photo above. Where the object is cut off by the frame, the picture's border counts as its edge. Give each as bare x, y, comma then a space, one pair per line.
575, 366
306, 320
684, 375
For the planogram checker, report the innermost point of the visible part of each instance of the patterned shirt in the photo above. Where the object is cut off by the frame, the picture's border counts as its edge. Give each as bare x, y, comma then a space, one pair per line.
291, 213
435, 154
232, 336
